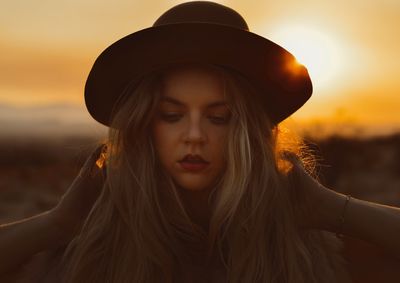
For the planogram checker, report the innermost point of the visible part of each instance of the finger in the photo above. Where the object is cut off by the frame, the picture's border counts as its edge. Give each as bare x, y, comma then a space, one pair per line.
90, 169
101, 161
297, 172
291, 157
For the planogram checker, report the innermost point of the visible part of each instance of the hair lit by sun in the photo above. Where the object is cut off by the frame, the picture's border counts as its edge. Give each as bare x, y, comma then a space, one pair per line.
317, 51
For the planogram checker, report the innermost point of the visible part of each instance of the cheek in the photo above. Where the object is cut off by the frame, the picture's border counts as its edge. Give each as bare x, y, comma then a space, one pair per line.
163, 134
218, 145
164, 142
218, 136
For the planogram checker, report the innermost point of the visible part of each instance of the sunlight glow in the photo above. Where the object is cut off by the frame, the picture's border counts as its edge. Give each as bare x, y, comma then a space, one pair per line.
316, 50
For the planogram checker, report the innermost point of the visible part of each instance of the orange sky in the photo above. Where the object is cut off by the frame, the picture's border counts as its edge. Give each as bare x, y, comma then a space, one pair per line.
350, 47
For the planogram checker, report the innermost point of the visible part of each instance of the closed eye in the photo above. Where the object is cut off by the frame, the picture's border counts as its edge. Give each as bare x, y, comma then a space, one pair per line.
174, 117
170, 117
219, 120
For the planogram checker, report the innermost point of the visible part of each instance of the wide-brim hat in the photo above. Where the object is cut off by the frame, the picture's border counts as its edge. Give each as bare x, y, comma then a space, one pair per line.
204, 32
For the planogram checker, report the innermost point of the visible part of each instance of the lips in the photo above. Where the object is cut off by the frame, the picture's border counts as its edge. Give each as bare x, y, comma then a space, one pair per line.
193, 163
193, 158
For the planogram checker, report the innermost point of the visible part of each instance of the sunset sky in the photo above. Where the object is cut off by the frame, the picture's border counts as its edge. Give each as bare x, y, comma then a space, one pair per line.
351, 49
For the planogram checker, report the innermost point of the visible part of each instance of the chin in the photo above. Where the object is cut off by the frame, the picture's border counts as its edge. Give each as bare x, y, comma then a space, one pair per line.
193, 186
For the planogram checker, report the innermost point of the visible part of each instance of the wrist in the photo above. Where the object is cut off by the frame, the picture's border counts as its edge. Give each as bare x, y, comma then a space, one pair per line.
331, 206
60, 233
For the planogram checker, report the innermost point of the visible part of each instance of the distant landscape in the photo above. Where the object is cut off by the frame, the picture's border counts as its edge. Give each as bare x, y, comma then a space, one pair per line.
35, 172
60, 120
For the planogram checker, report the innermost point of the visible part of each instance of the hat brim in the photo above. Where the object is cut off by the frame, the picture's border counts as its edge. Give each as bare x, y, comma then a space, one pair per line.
284, 85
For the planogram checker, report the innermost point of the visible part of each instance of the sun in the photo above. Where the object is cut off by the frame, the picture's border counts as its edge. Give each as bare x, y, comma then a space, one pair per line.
316, 50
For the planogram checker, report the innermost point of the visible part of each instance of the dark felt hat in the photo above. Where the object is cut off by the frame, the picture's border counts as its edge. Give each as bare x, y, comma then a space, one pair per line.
204, 32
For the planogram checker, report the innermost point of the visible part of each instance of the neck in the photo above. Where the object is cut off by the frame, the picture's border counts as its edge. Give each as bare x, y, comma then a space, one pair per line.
197, 206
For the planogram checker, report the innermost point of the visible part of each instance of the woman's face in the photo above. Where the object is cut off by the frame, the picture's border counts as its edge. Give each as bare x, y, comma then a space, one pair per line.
192, 118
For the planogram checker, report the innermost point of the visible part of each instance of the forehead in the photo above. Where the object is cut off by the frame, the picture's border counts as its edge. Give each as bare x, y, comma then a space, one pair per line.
193, 84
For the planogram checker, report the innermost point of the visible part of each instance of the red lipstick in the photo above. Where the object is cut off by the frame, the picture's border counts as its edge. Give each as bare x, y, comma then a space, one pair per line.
193, 162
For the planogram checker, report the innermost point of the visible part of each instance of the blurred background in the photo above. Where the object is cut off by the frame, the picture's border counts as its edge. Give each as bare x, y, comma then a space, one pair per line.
352, 121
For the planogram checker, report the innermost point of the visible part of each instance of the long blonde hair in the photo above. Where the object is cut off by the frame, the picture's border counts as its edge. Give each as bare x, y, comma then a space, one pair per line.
138, 228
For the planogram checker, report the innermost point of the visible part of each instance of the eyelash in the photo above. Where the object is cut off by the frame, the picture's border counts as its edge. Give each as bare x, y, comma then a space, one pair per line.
171, 118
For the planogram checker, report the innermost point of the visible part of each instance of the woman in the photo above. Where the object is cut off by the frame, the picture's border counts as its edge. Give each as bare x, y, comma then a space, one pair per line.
204, 184
199, 184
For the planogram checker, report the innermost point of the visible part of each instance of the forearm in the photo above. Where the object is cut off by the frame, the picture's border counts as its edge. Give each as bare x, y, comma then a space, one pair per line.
372, 222
22, 239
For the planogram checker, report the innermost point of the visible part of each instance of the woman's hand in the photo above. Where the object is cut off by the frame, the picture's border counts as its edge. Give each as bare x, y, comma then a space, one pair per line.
318, 207
310, 198
75, 204
22, 239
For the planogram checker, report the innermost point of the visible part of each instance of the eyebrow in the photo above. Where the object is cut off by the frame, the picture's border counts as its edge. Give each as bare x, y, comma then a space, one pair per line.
179, 103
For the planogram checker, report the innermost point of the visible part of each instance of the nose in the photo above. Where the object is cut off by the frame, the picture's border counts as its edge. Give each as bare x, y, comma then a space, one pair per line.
195, 132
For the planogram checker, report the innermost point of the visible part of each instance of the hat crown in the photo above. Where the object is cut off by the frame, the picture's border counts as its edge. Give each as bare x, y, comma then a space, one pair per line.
202, 12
